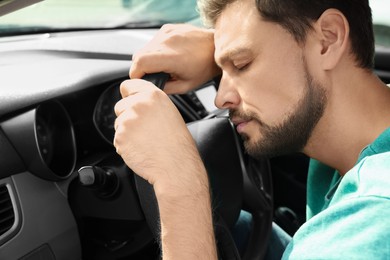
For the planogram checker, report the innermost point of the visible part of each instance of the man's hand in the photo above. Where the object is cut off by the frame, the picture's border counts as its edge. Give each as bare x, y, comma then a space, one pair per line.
151, 135
153, 140
183, 51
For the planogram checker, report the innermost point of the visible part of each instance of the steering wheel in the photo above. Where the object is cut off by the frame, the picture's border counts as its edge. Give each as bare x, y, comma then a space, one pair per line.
237, 182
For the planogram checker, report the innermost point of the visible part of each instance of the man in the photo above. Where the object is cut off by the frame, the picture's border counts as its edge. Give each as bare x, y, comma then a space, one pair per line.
296, 76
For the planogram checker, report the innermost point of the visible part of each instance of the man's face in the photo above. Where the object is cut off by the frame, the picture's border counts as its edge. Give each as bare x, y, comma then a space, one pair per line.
273, 99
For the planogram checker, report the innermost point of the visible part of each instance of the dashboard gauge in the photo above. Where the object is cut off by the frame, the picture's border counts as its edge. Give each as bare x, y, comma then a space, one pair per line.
55, 138
44, 135
48, 147
104, 114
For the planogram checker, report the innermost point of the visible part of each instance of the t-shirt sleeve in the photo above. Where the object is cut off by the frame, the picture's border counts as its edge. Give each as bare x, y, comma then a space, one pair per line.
356, 222
356, 228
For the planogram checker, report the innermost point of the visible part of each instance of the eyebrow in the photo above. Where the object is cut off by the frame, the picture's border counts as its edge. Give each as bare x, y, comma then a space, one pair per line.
230, 54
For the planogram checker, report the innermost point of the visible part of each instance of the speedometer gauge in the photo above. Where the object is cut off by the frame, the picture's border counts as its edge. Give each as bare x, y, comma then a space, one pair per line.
104, 114
48, 146
44, 135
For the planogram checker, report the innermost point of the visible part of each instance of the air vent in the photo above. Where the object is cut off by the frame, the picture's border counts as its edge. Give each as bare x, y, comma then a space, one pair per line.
7, 213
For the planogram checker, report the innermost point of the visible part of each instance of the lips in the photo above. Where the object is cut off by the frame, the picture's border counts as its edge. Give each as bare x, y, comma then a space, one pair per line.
240, 123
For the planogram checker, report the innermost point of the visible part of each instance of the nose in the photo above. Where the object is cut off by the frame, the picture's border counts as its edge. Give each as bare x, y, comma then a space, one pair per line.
227, 95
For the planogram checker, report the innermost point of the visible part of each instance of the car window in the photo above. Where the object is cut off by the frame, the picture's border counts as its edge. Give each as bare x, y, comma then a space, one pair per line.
381, 20
68, 14
77, 14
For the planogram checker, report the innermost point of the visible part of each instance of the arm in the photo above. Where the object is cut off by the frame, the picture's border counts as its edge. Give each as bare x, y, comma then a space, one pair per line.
183, 51
186, 219
155, 143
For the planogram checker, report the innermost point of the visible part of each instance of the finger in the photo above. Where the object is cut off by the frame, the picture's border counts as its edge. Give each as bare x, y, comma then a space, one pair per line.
127, 115
126, 103
117, 122
121, 106
177, 87
116, 141
134, 86
152, 62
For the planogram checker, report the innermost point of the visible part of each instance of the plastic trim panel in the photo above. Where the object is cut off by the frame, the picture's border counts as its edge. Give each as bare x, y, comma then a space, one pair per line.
16, 208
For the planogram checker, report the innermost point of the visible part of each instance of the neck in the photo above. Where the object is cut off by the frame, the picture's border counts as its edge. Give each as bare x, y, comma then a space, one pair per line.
358, 111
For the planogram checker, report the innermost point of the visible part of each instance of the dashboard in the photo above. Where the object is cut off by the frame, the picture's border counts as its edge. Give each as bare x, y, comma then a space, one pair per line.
57, 93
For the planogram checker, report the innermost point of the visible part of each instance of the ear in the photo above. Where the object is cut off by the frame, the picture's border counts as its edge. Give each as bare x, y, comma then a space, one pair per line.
333, 30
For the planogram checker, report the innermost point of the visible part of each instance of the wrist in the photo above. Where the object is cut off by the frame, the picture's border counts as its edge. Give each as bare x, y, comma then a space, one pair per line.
186, 186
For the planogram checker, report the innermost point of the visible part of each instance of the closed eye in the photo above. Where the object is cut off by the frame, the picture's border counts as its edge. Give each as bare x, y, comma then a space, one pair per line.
242, 67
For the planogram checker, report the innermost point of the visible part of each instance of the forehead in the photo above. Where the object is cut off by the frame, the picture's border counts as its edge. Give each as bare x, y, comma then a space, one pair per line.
240, 27
235, 28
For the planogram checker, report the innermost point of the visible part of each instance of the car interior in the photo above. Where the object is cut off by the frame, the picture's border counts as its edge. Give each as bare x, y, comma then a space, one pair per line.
64, 191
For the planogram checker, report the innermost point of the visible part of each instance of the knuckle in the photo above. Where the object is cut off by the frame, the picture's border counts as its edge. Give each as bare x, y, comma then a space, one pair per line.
173, 38
116, 109
155, 94
142, 64
136, 61
138, 55
167, 27
123, 89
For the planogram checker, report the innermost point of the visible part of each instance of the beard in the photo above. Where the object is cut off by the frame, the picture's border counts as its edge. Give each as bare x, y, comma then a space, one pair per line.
291, 135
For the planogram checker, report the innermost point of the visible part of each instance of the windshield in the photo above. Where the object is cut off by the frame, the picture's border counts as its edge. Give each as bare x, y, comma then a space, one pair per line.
381, 19
91, 14
57, 15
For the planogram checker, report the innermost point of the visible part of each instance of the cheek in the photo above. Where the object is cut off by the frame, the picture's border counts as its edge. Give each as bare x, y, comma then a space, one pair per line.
273, 89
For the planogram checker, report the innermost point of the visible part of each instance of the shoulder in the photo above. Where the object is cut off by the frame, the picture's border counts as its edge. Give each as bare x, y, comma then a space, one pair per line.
370, 177
356, 228
379, 162
355, 225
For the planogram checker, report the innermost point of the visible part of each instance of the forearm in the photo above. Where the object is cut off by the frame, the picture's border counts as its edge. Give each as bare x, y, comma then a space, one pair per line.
186, 221
187, 230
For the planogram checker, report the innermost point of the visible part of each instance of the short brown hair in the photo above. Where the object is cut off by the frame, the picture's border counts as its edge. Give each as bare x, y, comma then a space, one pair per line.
297, 16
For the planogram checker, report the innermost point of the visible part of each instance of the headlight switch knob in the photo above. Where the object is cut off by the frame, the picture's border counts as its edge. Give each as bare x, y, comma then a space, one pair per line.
104, 182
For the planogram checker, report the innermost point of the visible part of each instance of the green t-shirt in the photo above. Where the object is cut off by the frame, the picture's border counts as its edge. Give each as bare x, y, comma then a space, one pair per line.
349, 217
